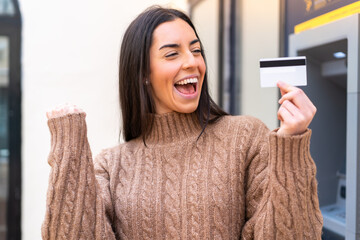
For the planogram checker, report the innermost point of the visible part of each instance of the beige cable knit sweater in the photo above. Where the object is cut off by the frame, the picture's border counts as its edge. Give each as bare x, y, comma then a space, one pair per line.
237, 181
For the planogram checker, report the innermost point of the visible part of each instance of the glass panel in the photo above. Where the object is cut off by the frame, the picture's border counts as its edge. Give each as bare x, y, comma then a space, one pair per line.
7, 7
4, 150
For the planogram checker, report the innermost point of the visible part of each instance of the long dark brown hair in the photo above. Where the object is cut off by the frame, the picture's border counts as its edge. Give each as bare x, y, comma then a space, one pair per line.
136, 97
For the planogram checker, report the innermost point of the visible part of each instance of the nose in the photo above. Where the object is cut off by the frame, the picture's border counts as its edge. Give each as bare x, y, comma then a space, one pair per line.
189, 61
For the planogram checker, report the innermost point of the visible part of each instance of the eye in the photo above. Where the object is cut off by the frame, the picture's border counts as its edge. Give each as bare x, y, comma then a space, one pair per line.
197, 51
172, 54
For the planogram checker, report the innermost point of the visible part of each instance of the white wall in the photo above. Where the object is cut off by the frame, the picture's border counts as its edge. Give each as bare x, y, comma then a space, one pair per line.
69, 54
260, 39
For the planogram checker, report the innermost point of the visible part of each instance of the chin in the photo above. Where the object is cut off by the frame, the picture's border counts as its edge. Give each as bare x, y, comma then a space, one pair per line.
188, 109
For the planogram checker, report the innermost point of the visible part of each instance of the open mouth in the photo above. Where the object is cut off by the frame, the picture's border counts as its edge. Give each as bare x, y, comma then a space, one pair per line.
187, 86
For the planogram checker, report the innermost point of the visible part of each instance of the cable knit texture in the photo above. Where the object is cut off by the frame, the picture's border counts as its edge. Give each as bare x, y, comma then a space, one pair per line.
237, 181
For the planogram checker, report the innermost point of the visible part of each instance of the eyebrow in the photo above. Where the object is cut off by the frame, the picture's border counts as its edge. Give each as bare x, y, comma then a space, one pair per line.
174, 45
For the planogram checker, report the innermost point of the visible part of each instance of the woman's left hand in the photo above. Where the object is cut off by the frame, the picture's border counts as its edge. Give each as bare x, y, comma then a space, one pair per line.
296, 111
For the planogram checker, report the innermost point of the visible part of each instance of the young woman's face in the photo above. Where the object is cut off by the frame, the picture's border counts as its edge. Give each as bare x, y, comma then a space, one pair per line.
177, 68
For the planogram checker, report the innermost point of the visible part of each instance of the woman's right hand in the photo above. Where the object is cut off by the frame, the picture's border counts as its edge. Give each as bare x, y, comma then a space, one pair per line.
63, 110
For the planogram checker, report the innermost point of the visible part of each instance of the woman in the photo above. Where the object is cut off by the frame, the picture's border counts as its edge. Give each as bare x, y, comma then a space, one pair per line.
187, 170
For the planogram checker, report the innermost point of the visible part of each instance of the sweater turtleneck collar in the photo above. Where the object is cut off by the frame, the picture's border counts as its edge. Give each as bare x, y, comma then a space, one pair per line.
173, 127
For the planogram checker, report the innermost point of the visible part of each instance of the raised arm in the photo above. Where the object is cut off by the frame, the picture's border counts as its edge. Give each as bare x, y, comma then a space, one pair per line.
281, 192
75, 207
281, 189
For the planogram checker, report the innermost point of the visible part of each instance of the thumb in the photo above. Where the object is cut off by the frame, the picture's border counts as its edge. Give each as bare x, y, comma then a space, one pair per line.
282, 92
281, 85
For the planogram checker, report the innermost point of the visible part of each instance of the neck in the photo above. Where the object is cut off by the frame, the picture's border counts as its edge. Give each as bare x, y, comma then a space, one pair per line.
173, 127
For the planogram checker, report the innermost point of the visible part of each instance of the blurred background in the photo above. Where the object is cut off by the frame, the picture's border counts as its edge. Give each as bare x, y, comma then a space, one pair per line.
53, 52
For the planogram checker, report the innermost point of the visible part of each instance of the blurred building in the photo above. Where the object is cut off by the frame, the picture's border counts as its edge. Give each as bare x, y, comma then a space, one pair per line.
53, 52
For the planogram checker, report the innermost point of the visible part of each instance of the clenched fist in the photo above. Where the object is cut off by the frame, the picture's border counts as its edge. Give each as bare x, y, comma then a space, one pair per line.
63, 110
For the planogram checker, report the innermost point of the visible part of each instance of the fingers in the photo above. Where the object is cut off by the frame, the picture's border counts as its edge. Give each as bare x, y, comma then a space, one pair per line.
295, 94
62, 110
283, 114
292, 119
284, 87
299, 98
290, 110
296, 111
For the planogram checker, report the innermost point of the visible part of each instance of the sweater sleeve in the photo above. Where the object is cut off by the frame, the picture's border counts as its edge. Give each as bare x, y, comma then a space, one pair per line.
75, 207
281, 189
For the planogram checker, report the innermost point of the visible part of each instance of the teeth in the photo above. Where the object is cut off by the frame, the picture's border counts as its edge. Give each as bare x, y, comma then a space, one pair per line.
186, 81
